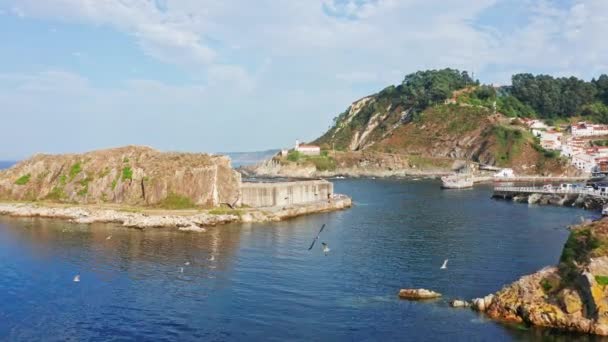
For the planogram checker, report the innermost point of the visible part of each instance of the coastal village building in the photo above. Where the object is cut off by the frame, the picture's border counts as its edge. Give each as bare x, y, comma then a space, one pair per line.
583, 129
309, 150
550, 140
575, 145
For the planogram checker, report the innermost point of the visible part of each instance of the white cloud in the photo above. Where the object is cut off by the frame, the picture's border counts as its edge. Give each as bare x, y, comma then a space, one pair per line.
161, 34
277, 62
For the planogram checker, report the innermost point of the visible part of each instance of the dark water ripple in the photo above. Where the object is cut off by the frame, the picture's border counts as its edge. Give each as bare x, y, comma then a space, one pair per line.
259, 282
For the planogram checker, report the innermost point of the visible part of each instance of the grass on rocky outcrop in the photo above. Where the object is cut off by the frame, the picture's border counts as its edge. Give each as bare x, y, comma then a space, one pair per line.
175, 201
23, 180
127, 173
584, 242
75, 170
601, 280
322, 162
509, 143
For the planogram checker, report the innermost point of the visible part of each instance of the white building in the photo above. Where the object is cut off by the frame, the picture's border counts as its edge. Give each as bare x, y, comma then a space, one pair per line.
573, 146
550, 140
310, 150
584, 162
583, 129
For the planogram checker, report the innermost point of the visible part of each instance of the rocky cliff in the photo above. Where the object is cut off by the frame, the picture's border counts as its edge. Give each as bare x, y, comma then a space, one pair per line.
455, 131
572, 296
127, 175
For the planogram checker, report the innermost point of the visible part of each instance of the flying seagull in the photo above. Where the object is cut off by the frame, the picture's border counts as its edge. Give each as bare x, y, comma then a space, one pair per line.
187, 263
181, 270
445, 264
316, 237
212, 258
325, 248
77, 278
109, 237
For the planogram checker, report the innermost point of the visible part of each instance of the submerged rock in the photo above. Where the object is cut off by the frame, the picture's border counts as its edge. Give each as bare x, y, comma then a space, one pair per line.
457, 303
417, 294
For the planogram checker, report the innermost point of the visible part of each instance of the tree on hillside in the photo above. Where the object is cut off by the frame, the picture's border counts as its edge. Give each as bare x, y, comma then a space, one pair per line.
601, 85
553, 97
424, 88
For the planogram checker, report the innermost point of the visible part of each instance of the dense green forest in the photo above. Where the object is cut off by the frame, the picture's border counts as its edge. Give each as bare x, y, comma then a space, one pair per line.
540, 96
547, 97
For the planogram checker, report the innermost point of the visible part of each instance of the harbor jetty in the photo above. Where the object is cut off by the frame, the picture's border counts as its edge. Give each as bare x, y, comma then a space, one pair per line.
564, 195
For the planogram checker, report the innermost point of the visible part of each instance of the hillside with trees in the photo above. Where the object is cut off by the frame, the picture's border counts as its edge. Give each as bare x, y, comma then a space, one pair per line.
438, 117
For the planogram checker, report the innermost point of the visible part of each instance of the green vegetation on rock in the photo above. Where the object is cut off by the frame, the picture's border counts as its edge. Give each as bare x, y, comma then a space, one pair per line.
127, 173
23, 180
75, 170
176, 201
509, 143
322, 162
582, 244
56, 194
226, 211
601, 280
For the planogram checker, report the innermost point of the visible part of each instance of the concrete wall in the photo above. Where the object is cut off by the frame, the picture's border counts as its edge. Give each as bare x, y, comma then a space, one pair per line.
285, 193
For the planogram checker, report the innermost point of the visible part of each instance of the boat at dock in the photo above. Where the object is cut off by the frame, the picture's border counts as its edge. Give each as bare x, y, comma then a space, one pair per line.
457, 182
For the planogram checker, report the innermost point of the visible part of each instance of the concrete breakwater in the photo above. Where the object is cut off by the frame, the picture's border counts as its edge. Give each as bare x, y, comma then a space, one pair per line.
187, 220
585, 200
273, 194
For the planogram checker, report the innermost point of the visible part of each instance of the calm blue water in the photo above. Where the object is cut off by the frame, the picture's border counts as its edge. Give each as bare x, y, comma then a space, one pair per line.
263, 283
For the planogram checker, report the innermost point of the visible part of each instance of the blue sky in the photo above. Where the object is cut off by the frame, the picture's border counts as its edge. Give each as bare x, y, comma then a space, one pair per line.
203, 75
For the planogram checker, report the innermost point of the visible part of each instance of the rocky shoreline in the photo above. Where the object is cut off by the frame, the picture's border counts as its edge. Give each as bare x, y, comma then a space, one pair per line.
182, 220
571, 296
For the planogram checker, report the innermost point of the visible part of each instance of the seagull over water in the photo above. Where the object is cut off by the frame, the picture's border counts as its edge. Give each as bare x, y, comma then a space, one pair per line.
445, 264
325, 248
316, 237
187, 263
109, 237
77, 278
212, 258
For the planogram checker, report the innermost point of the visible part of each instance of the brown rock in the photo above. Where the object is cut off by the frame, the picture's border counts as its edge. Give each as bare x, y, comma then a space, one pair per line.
417, 294
129, 175
570, 301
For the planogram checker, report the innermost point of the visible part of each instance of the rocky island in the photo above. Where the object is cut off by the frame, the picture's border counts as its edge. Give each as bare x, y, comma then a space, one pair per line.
141, 187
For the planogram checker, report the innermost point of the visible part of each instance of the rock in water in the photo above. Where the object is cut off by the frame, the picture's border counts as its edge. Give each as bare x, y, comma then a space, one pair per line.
457, 303
417, 294
572, 296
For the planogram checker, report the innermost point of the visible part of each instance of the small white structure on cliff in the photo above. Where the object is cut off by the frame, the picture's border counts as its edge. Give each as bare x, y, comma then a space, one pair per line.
310, 150
505, 173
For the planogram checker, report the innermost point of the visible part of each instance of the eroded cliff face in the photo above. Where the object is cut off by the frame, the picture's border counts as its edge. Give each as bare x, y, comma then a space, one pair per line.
572, 296
128, 175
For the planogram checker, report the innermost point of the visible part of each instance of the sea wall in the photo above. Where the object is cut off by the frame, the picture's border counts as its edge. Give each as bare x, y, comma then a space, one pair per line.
280, 194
